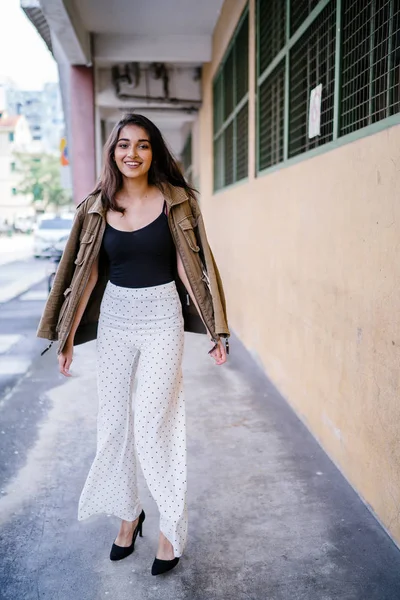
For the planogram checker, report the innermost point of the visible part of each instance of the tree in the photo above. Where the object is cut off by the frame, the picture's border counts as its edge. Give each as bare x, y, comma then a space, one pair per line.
40, 178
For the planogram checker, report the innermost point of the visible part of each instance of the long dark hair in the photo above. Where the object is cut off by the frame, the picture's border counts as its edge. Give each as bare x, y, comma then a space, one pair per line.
163, 169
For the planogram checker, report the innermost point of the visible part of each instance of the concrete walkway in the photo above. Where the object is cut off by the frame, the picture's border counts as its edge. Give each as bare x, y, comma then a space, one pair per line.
271, 518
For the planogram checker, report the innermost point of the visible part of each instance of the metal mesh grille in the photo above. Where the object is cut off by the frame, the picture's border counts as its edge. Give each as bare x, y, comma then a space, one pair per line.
228, 78
312, 62
228, 155
370, 56
217, 103
368, 72
242, 134
242, 61
271, 30
394, 70
299, 11
218, 163
231, 111
271, 118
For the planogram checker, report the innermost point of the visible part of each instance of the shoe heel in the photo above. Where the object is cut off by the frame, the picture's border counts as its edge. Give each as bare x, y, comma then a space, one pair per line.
140, 529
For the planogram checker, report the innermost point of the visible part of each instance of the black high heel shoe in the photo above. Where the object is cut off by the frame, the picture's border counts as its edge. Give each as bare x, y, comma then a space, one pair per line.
120, 552
163, 566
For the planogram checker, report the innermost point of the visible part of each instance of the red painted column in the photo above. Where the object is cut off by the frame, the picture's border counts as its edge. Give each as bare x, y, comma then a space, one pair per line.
82, 146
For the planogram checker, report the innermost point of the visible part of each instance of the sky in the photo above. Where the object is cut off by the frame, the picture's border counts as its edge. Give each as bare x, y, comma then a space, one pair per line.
24, 56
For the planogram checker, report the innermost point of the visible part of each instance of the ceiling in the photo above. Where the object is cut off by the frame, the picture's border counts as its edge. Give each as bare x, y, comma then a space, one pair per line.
151, 17
107, 32
110, 34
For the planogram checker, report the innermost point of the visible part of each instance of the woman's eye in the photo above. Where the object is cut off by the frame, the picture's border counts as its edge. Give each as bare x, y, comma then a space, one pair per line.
144, 147
122, 145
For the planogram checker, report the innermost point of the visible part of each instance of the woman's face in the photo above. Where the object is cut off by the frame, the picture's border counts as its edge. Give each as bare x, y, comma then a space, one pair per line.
133, 153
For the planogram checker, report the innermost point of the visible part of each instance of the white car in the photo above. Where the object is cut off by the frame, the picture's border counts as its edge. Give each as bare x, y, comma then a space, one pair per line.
51, 235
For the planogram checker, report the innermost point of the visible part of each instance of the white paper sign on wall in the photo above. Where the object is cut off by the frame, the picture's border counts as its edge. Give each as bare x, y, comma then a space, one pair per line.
314, 115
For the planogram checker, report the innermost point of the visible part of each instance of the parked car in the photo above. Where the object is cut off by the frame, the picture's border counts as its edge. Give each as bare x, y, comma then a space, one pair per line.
51, 235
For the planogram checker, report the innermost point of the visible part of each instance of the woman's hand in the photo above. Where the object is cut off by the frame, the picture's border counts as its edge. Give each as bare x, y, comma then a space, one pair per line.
65, 359
219, 353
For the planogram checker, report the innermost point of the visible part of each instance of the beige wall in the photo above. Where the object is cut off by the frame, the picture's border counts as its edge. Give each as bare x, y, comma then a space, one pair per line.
310, 259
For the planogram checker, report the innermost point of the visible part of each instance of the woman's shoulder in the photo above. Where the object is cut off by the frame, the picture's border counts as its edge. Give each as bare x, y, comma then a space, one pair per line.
88, 202
176, 194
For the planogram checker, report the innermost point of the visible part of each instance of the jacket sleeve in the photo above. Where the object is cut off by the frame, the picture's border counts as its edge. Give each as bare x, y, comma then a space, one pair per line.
65, 270
215, 282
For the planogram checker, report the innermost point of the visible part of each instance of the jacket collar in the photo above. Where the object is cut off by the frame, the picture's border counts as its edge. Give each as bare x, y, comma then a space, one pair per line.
97, 206
173, 195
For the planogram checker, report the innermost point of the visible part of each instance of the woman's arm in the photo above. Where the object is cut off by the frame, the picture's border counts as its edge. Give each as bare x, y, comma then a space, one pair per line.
216, 287
219, 352
65, 357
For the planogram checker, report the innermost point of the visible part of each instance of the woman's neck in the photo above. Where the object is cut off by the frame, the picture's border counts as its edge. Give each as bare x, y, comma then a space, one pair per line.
135, 190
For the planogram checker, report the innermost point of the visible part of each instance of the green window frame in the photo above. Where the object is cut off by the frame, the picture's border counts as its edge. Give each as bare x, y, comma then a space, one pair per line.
231, 110
351, 47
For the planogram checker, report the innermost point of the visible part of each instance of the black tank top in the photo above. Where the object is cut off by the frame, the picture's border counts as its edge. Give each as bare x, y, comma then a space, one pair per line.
142, 258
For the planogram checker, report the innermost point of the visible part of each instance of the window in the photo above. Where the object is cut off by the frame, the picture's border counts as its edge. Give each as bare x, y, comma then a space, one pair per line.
271, 32
271, 128
187, 159
14, 191
349, 47
312, 62
230, 102
13, 166
370, 62
299, 11
11, 136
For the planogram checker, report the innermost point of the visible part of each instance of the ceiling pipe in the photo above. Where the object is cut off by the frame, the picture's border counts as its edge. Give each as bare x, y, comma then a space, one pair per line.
130, 74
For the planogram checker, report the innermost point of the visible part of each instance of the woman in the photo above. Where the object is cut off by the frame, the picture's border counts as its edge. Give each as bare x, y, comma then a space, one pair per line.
133, 241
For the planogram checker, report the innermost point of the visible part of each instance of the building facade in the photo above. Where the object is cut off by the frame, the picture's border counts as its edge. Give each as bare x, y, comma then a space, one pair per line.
43, 112
292, 135
306, 229
15, 137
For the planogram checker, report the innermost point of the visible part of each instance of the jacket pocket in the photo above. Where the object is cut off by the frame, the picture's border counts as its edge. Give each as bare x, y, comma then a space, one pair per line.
84, 244
187, 230
64, 307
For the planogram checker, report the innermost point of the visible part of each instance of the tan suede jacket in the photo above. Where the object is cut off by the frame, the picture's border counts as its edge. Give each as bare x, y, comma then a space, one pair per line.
84, 245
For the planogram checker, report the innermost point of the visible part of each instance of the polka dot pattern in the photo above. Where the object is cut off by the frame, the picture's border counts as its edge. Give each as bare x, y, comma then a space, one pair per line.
140, 333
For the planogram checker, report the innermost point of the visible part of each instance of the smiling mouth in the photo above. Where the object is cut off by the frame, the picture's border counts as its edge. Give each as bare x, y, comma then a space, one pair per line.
132, 164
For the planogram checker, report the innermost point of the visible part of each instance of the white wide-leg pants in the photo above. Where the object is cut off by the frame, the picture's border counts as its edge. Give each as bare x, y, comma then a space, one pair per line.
140, 332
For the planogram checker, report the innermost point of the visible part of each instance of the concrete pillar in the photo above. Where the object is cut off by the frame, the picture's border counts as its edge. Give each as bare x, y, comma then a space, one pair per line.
83, 154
